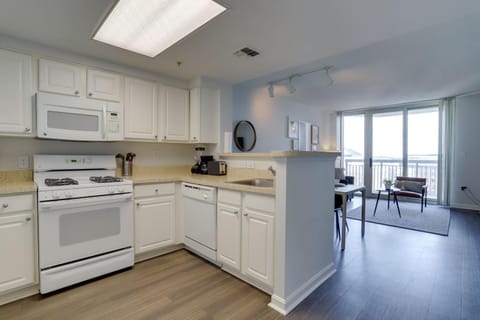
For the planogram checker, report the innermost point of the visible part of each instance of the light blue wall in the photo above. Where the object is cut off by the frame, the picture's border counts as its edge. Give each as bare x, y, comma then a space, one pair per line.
269, 116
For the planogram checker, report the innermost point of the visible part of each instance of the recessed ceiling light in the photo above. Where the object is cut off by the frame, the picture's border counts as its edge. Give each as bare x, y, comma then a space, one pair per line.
149, 27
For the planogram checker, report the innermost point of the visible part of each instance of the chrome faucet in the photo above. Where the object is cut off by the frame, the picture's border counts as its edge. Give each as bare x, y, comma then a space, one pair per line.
273, 171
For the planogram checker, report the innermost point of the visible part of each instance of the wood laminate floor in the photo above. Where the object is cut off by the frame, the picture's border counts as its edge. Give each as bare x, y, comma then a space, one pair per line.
391, 274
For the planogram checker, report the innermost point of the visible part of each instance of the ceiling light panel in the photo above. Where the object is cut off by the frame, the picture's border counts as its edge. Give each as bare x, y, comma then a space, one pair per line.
149, 27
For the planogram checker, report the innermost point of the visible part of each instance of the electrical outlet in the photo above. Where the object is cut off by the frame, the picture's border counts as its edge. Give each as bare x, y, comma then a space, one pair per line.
23, 162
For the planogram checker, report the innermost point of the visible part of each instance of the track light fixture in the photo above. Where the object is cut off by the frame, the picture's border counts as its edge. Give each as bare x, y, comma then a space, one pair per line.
290, 86
271, 93
289, 80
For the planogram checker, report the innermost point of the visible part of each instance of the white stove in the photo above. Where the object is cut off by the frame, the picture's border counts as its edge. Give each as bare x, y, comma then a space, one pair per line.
85, 219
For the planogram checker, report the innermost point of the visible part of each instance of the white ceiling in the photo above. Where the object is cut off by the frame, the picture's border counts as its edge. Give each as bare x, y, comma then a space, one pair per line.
378, 47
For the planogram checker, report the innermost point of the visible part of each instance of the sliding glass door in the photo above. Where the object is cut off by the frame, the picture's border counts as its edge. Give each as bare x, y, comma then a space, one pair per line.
382, 144
386, 161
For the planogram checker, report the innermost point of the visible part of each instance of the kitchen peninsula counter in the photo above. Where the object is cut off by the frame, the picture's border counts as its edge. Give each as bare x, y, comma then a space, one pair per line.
149, 175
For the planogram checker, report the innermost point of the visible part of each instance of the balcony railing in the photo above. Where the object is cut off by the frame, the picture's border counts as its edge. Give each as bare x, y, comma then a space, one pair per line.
391, 168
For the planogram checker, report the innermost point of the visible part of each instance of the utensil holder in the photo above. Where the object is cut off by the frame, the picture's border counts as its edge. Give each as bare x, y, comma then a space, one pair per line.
127, 168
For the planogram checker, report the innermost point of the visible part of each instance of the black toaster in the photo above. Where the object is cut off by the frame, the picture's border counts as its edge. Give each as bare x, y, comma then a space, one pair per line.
217, 168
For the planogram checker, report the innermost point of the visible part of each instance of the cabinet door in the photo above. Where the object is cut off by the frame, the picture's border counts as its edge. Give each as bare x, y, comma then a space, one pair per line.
154, 223
257, 246
15, 93
16, 251
63, 78
204, 115
140, 109
104, 85
175, 114
228, 235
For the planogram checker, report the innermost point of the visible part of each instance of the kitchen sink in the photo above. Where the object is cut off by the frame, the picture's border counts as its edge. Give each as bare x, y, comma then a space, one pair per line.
264, 183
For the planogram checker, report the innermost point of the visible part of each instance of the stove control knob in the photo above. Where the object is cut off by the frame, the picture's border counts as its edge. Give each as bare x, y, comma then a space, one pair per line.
68, 194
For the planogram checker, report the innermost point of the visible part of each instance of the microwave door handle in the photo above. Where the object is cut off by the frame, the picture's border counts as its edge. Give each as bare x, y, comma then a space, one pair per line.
104, 130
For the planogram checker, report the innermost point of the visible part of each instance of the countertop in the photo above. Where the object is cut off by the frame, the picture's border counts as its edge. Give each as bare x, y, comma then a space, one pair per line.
19, 181
146, 175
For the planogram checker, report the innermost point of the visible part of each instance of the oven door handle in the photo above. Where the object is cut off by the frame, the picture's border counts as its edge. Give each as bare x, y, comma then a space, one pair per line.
74, 203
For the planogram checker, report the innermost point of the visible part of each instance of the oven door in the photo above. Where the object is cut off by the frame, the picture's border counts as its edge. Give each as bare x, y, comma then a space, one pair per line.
70, 118
71, 230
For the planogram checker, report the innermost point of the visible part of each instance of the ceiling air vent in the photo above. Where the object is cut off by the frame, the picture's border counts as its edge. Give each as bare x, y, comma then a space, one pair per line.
249, 52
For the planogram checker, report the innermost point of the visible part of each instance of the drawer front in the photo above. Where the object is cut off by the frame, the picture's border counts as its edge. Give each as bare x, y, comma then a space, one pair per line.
22, 202
263, 203
152, 190
230, 196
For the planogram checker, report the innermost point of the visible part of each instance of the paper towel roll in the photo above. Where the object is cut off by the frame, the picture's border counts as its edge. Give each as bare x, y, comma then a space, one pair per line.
227, 142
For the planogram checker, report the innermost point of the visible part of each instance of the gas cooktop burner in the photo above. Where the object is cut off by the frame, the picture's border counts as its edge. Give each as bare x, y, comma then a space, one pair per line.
60, 182
105, 179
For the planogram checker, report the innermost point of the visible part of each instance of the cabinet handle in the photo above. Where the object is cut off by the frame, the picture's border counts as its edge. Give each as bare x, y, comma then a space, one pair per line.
156, 190
235, 212
45, 134
90, 94
194, 138
138, 204
27, 129
28, 219
156, 136
77, 92
5, 205
165, 137
245, 214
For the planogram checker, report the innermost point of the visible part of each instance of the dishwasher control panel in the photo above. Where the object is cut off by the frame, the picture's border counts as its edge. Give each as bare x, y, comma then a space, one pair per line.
199, 192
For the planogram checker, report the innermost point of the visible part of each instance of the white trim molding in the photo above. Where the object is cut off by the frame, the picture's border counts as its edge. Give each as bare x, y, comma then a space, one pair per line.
284, 306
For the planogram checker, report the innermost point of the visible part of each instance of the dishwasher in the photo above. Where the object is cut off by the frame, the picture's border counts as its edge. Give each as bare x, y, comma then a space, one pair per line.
200, 220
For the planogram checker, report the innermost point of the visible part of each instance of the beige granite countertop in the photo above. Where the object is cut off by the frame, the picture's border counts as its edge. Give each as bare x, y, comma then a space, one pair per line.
146, 175
19, 181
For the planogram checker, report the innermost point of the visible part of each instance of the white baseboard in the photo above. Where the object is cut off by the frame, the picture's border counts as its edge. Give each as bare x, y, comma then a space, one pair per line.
465, 206
157, 252
284, 306
19, 294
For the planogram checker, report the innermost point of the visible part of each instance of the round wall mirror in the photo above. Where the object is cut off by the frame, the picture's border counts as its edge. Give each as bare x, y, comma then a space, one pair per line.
244, 136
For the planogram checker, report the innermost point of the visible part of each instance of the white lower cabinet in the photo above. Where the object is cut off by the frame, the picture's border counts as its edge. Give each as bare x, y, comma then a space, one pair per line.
17, 253
154, 216
245, 234
229, 221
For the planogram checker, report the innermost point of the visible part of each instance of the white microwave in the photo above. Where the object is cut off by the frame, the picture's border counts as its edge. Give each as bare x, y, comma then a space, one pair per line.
78, 119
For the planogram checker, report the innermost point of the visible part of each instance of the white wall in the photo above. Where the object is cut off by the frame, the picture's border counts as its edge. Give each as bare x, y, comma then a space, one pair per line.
269, 117
466, 152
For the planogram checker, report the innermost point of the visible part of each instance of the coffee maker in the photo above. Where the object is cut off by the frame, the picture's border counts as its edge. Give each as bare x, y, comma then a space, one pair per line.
197, 156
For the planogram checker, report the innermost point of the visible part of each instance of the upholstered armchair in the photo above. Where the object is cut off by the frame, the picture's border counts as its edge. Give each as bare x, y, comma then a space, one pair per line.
413, 188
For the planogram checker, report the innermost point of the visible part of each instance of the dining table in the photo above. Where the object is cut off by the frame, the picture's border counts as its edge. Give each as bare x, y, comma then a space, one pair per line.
344, 191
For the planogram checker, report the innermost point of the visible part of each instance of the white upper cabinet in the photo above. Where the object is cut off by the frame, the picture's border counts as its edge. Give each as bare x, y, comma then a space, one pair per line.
174, 114
104, 85
140, 109
63, 78
15, 93
204, 115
